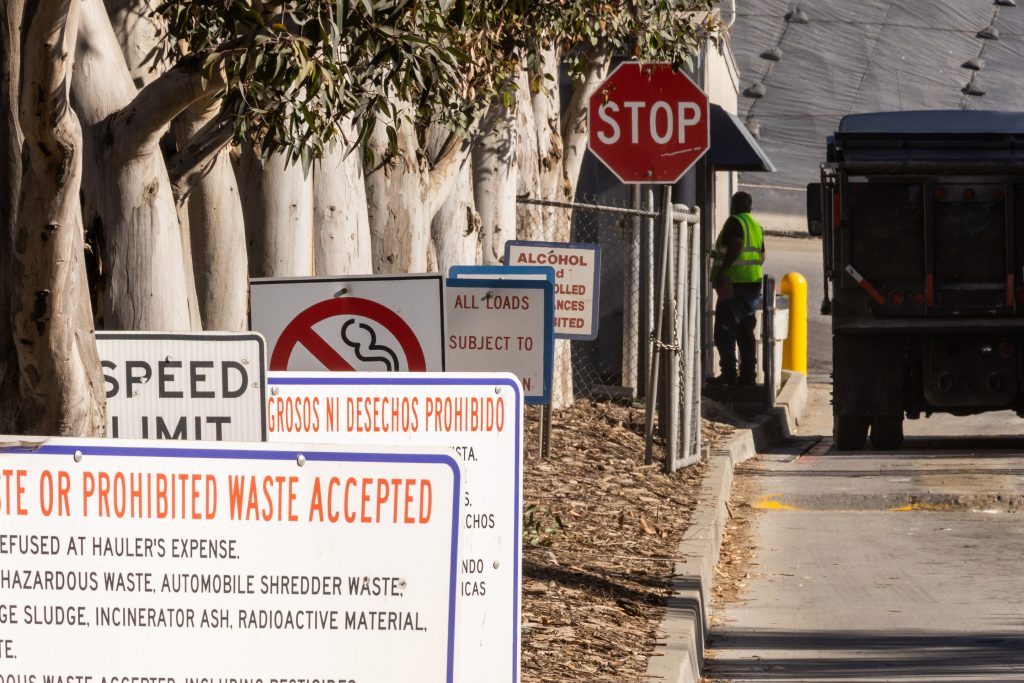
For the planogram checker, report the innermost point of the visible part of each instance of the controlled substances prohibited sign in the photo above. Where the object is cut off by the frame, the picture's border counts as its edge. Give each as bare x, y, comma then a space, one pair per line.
577, 282
481, 416
371, 323
203, 386
190, 561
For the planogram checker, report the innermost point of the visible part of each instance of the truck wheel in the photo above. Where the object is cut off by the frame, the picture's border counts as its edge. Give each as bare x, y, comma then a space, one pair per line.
850, 431
887, 432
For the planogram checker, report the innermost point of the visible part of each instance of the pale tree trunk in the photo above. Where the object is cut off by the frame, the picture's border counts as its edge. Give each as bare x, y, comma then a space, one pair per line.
495, 178
529, 217
216, 227
61, 387
551, 185
396, 202
10, 182
341, 226
128, 192
561, 136
456, 228
142, 35
404, 192
277, 202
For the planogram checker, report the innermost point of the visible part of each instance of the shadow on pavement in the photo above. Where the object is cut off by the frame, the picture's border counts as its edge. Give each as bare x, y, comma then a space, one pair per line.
867, 655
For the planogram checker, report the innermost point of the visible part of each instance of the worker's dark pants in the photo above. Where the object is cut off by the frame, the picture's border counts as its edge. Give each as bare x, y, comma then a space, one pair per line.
734, 326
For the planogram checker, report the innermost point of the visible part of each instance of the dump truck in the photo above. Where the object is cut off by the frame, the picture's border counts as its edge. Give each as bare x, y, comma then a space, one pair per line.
921, 216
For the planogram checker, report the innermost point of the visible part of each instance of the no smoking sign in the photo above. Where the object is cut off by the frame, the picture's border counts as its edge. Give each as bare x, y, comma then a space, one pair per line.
374, 324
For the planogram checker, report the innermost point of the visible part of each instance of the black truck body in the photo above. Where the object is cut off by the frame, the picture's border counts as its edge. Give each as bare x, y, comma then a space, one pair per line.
922, 219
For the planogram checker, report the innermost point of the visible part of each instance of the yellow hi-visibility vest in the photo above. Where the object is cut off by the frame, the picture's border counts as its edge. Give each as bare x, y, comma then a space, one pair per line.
747, 267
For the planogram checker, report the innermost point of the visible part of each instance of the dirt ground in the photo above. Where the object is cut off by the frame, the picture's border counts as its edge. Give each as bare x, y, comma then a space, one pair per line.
601, 531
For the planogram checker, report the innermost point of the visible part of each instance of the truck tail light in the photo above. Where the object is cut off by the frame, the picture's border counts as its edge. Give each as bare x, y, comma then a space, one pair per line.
896, 298
1007, 349
940, 194
918, 298
968, 194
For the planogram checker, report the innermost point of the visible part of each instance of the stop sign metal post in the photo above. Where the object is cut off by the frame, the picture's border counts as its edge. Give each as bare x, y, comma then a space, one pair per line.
649, 124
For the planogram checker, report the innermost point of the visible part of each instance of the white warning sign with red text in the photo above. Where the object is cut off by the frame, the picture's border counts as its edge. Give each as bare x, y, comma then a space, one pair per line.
503, 326
368, 323
480, 415
577, 282
182, 561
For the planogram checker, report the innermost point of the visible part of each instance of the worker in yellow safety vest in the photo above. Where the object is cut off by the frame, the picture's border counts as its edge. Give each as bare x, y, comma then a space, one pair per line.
736, 275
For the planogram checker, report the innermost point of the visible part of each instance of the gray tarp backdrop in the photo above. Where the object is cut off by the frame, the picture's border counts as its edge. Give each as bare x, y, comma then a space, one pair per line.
855, 56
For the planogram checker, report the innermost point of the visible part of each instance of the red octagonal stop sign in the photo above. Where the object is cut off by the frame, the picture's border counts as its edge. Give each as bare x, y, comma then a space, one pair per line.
648, 123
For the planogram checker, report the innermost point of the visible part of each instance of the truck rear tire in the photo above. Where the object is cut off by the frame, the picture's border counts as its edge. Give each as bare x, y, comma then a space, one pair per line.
887, 432
850, 431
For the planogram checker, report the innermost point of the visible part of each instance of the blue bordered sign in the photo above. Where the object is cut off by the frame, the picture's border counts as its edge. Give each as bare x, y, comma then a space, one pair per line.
503, 326
256, 550
577, 282
439, 408
503, 273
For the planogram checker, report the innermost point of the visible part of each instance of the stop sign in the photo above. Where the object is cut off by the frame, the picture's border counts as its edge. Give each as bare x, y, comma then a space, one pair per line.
648, 123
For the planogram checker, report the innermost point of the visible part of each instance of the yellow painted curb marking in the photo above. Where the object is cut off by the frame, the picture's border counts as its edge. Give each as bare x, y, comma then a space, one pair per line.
769, 503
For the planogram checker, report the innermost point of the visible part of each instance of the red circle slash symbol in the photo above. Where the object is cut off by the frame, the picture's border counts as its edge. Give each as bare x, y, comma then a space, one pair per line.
300, 331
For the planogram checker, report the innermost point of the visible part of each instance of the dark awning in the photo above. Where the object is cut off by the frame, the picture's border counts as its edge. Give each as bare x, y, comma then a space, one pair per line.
733, 148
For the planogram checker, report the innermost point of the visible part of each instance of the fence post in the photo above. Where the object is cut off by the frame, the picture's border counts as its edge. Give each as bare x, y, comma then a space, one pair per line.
693, 335
679, 390
656, 343
649, 273
631, 300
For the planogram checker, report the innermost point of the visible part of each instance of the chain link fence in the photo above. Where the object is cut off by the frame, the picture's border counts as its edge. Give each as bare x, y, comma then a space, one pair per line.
615, 366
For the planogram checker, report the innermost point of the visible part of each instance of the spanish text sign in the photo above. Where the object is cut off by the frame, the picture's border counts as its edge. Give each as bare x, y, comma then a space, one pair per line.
198, 562
481, 416
203, 386
503, 326
369, 323
577, 282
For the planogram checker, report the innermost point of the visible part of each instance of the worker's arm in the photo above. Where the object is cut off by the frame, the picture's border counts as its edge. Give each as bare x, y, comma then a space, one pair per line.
734, 246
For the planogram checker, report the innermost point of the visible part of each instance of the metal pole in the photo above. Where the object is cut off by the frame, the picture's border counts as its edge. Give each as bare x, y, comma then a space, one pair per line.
631, 301
678, 383
649, 282
541, 436
686, 335
696, 366
673, 315
655, 350
768, 338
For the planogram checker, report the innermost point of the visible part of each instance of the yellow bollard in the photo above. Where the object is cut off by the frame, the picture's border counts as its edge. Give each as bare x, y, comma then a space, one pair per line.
794, 349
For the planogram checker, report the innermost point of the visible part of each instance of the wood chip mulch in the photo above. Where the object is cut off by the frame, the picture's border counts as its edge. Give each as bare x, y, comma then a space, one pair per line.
601, 533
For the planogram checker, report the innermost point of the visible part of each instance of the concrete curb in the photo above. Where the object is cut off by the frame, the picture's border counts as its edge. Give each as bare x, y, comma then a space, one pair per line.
679, 658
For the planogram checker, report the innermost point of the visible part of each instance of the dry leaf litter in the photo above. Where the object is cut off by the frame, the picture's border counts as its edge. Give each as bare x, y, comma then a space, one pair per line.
601, 533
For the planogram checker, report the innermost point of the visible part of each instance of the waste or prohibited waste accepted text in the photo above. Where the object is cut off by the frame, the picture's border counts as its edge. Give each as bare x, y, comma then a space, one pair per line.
121, 561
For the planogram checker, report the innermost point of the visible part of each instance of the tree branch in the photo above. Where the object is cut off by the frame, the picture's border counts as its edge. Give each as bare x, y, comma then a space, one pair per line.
194, 160
44, 89
574, 117
140, 125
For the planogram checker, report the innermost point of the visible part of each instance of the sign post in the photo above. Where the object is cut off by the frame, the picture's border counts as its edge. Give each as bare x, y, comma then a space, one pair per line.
650, 124
209, 561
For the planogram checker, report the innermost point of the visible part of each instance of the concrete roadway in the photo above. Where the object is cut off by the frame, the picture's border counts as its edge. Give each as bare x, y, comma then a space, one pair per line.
903, 566
869, 566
